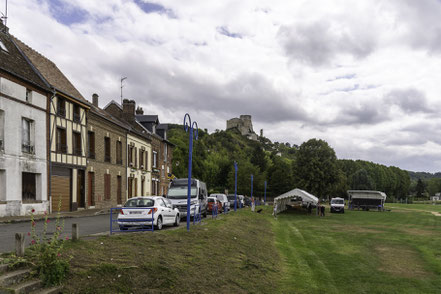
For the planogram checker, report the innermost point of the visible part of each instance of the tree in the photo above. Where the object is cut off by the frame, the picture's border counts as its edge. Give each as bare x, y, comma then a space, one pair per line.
420, 188
362, 181
316, 168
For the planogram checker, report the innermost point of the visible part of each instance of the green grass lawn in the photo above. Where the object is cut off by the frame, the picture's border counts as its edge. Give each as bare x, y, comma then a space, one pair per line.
360, 252
355, 252
428, 207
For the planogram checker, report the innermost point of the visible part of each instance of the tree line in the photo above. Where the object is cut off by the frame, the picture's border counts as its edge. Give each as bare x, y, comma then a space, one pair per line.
312, 166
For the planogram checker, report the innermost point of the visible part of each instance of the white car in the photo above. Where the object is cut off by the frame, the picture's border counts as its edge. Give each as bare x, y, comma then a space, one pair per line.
223, 200
134, 213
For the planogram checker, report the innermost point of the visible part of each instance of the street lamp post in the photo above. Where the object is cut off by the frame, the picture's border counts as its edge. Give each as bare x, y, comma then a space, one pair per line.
235, 186
189, 127
251, 186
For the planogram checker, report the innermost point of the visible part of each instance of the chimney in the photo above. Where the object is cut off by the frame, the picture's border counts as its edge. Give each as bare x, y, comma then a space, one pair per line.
95, 99
139, 111
129, 110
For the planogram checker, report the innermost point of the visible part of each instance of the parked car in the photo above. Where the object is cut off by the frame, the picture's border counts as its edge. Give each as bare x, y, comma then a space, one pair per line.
177, 193
223, 200
163, 213
212, 202
337, 205
240, 200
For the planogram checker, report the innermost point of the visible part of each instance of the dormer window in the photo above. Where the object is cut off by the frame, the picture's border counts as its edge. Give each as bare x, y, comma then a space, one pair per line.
3, 47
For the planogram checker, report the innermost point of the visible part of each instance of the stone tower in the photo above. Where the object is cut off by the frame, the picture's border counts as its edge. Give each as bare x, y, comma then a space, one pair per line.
244, 125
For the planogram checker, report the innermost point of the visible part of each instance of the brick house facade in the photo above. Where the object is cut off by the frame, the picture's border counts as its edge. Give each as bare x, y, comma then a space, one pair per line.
107, 160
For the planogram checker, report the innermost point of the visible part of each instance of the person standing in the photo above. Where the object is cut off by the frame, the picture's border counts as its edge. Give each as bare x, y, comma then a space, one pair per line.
275, 210
253, 204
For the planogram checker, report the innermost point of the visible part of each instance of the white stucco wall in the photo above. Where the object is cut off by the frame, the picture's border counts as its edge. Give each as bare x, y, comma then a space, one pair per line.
13, 162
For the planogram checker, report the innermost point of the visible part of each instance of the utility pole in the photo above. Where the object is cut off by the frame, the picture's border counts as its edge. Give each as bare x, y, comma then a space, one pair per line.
122, 79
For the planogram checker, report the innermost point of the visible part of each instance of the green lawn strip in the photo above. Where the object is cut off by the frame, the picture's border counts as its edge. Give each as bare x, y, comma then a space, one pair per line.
233, 254
427, 207
359, 252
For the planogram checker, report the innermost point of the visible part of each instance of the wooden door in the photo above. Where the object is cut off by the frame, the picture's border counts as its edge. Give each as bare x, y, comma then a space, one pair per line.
61, 192
118, 190
129, 187
91, 189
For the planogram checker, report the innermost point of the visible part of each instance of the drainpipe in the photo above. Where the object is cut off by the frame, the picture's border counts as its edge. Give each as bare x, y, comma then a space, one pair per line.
50, 149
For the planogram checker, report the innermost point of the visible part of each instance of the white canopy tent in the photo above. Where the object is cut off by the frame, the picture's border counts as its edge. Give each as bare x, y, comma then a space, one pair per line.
284, 199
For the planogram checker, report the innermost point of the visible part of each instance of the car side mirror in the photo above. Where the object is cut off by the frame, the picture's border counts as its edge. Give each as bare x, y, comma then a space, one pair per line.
170, 206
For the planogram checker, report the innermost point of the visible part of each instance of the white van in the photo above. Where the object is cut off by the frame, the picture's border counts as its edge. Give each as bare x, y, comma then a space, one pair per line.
177, 193
337, 205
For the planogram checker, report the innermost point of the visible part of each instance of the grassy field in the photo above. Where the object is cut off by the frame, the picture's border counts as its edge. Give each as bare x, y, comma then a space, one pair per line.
355, 252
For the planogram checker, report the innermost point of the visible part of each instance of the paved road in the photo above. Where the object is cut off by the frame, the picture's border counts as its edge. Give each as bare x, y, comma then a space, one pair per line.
88, 225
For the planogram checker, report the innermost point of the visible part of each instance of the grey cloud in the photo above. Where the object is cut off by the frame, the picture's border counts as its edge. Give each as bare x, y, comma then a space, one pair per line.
361, 114
317, 44
176, 89
421, 18
408, 100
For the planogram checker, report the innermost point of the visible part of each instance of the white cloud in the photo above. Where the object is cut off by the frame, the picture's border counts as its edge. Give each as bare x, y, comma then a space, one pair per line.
354, 73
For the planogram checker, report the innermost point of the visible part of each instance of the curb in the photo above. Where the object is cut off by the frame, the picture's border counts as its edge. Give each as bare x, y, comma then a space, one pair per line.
52, 217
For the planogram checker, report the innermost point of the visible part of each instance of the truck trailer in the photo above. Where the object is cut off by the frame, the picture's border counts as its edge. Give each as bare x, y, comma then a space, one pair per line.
366, 200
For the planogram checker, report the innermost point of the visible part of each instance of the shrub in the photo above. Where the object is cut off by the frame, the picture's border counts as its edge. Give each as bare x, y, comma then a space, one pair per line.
46, 255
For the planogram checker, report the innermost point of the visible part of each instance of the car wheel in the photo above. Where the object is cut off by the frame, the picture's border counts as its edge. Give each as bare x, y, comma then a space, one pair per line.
205, 213
177, 221
159, 223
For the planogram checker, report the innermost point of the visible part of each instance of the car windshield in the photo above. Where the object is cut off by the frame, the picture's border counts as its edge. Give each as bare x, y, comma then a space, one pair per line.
337, 201
230, 197
180, 192
211, 200
140, 203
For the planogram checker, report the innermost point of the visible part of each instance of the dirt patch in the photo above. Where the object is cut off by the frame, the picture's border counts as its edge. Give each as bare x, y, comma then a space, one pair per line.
401, 261
419, 232
435, 213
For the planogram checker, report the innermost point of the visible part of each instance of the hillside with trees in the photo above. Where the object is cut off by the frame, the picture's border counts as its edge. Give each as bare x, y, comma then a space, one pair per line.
312, 166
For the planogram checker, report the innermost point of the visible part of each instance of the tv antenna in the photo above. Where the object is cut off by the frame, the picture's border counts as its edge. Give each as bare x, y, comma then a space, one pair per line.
4, 16
122, 79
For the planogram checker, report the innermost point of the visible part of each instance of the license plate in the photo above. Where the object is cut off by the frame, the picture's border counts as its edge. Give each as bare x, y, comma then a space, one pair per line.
135, 212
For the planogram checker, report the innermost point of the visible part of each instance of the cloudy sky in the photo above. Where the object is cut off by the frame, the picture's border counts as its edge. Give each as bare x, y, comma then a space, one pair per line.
363, 75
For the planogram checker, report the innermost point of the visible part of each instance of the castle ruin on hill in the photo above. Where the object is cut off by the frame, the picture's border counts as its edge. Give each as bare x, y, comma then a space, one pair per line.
244, 125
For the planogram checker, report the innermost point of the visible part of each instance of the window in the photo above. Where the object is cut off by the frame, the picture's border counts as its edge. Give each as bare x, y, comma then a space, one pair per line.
165, 152
76, 113
91, 145
154, 159
2, 130
61, 107
28, 187
28, 95
119, 152
107, 149
141, 158
107, 186
26, 143
2, 46
76, 143
61, 140
130, 156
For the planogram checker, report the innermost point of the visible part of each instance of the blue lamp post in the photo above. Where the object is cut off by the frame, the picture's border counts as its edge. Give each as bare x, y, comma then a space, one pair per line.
193, 130
251, 186
264, 195
235, 186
